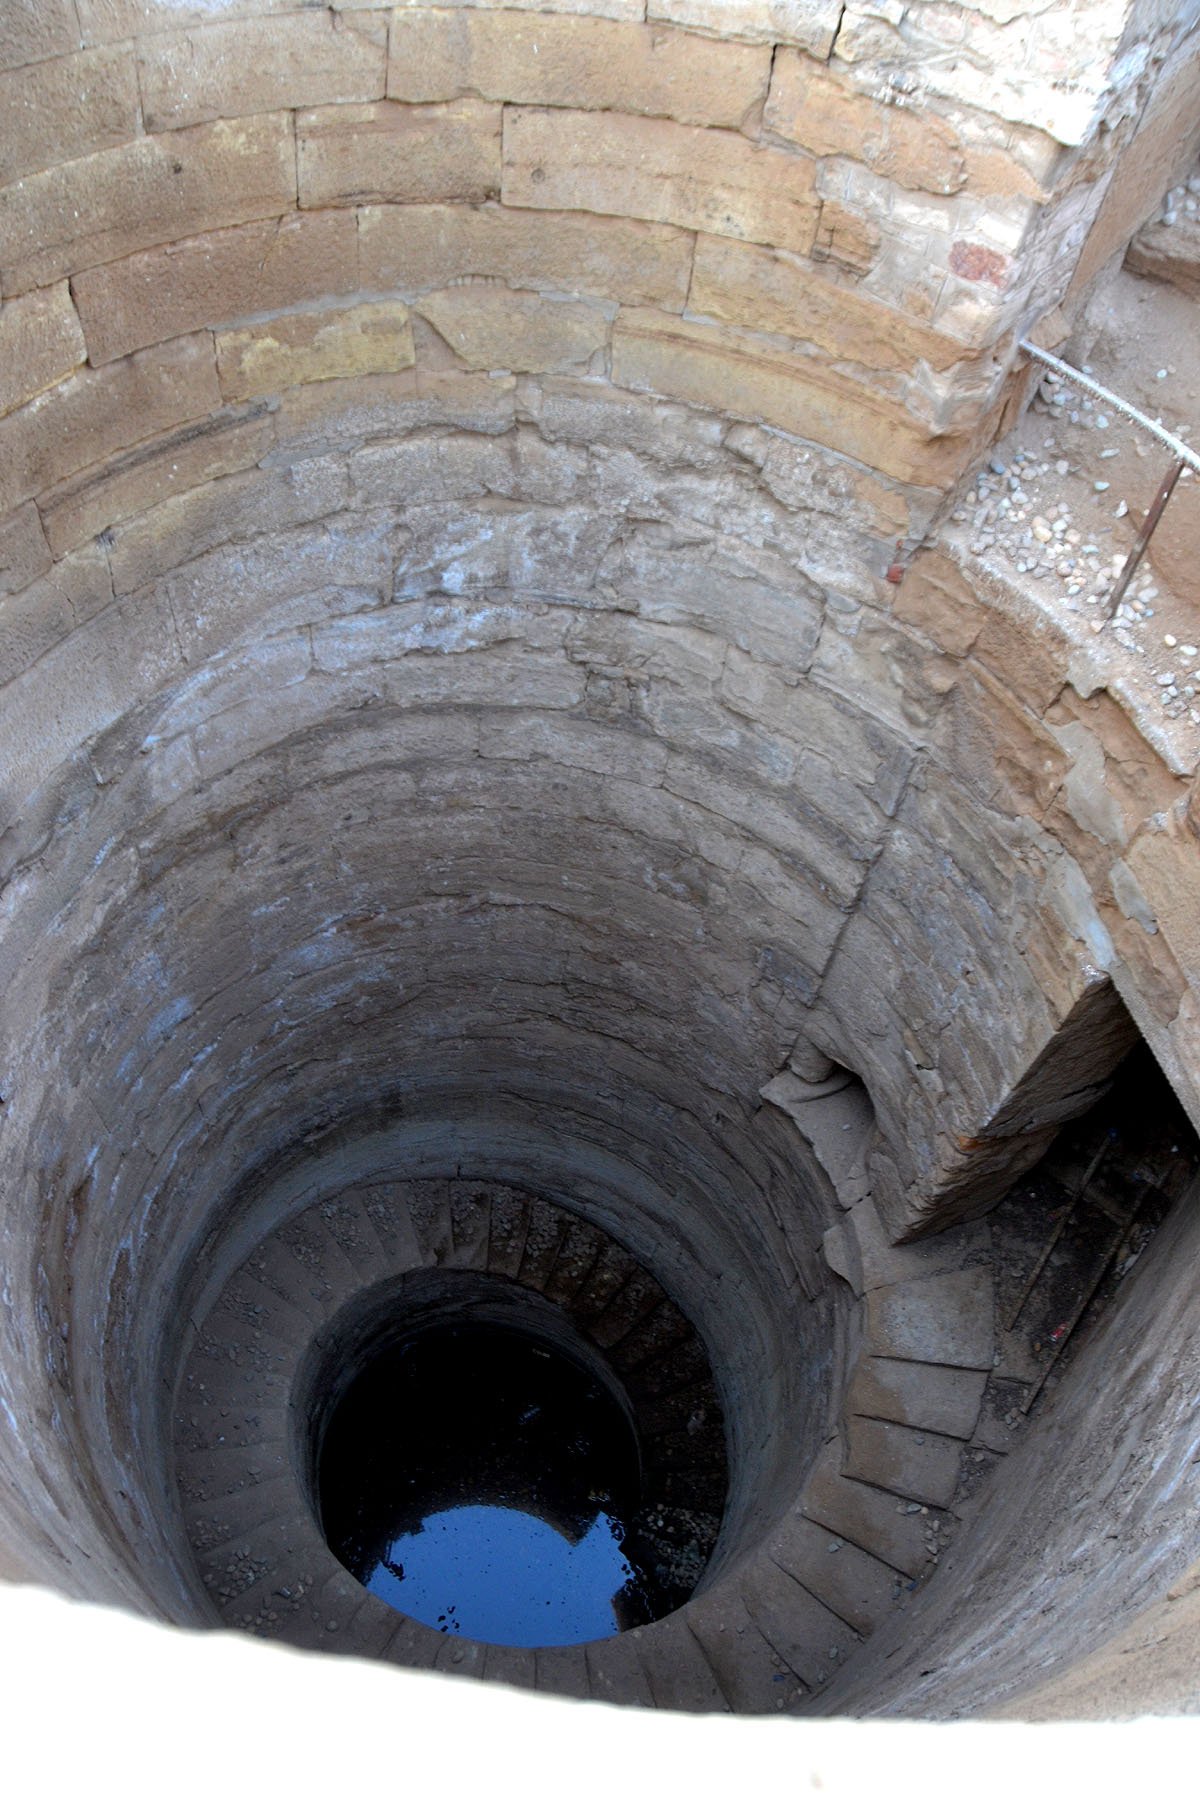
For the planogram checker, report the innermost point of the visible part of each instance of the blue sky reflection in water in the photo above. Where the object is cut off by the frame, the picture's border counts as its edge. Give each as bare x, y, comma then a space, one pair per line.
490, 1487
505, 1577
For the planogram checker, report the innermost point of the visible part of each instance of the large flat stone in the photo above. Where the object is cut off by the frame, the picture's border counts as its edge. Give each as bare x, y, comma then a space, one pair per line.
915, 1464
944, 1319
923, 1395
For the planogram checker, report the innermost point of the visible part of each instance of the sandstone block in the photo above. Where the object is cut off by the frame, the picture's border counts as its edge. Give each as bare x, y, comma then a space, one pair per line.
845, 238
943, 1319
224, 71
923, 1395
418, 247
24, 552
493, 328
40, 344
150, 473
885, 1264
66, 108
394, 152
177, 288
235, 507
809, 23
811, 106
389, 405
150, 191
768, 290
371, 339
594, 64
937, 601
32, 622
99, 412
715, 367
913, 1464
31, 30
655, 169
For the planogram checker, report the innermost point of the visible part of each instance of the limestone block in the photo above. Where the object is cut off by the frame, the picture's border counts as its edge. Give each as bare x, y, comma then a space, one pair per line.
865, 658
594, 64
31, 32
807, 1635
1168, 253
392, 152
943, 1319
767, 290
885, 1264
863, 1516
237, 593
418, 247
914, 1464
1163, 864
850, 1582
78, 688
839, 1246
923, 1395
99, 412
728, 371
599, 9
555, 552
142, 477
260, 66
811, 106
24, 552
834, 1116
371, 339
207, 280
809, 23
493, 328
431, 467
41, 343
150, 191
66, 108
655, 169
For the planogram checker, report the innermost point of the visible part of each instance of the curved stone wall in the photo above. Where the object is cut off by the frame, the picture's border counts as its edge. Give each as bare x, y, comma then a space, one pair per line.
454, 716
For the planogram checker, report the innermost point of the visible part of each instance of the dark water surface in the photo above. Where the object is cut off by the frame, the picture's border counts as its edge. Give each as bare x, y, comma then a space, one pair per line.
486, 1485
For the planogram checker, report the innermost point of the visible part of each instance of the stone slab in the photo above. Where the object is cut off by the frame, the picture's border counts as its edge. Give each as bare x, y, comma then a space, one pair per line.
923, 1395
913, 1464
942, 1319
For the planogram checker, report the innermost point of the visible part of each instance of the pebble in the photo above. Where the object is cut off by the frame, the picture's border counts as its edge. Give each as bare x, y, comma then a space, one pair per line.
1170, 641
1101, 487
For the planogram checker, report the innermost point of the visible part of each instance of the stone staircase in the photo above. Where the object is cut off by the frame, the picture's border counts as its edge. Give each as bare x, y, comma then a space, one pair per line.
765, 1632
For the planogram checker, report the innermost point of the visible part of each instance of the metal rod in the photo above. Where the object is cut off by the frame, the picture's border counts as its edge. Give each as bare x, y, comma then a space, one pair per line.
1063, 1217
1135, 556
1077, 378
1118, 1243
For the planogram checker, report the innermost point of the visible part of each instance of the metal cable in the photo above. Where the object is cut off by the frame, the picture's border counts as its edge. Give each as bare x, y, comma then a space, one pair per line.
1078, 379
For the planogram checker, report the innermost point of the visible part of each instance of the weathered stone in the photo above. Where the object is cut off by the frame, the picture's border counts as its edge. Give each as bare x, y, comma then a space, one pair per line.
845, 238
1168, 253
862, 1515
923, 1395
209, 280
370, 339
65, 108
597, 64
942, 1319
97, 413
351, 154
261, 65
655, 169
31, 30
885, 1264
851, 1582
719, 368
24, 552
40, 344
936, 599
145, 192
151, 472
914, 1464
767, 290
830, 117
809, 23
419, 247
491, 328
599, 9
387, 405
32, 622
